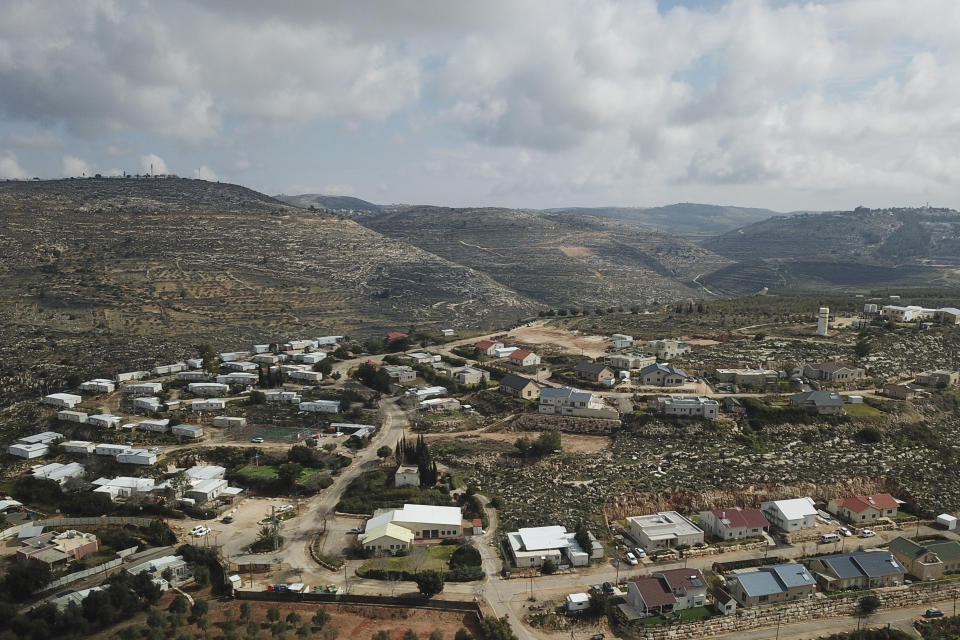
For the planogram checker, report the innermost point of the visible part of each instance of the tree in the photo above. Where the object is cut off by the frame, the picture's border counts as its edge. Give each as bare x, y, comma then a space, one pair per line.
384, 452
273, 614
868, 604
320, 618
436, 634
178, 604
497, 629
429, 582
582, 536
465, 556
200, 608
381, 635
179, 483
23, 578
549, 567
410, 634
330, 633
201, 575
863, 348
462, 634
288, 474
245, 610
293, 618
304, 631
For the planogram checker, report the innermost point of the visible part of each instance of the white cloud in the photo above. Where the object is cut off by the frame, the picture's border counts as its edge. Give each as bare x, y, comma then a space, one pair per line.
73, 167
522, 100
10, 168
153, 164
206, 173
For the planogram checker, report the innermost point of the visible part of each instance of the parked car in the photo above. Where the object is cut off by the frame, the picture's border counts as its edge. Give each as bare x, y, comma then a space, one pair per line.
933, 612
846, 533
227, 520
867, 533
632, 559
596, 588
284, 507
640, 553
608, 588
257, 440
200, 531
197, 528
356, 530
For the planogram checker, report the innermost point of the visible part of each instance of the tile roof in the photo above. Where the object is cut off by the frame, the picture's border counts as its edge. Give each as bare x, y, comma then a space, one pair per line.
520, 354
593, 368
736, 518
688, 579
859, 504
484, 344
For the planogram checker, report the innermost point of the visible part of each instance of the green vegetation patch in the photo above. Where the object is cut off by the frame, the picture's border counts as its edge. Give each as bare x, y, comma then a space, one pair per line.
375, 490
421, 558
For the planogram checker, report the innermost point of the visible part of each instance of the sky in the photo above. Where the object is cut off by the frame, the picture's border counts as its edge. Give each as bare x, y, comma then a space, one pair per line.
521, 103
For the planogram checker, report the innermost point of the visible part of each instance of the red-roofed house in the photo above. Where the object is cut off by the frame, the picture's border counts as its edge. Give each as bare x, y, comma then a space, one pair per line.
865, 508
732, 524
489, 347
524, 358
396, 335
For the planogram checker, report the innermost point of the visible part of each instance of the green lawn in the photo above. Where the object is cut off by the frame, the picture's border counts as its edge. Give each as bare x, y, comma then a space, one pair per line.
863, 411
421, 558
686, 615
269, 471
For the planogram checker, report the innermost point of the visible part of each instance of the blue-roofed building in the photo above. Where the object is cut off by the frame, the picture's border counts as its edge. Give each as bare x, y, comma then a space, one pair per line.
778, 583
567, 401
858, 569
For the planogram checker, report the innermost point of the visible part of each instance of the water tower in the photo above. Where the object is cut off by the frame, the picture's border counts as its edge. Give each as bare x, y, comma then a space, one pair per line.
823, 317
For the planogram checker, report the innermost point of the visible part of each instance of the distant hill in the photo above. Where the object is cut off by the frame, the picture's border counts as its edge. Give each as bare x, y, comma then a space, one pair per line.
101, 273
557, 259
860, 248
339, 204
685, 218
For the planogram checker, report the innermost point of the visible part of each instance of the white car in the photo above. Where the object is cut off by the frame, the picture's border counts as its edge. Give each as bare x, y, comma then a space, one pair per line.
867, 533
257, 440
200, 531
846, 533
284, 507
632, 559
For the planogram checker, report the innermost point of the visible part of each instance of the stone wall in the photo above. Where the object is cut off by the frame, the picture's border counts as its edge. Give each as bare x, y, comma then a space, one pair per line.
760, 617
566, 424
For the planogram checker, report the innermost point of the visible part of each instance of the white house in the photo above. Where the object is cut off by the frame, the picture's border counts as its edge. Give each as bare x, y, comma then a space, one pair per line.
132, 375
98, 385
407, 475
28, 451
44, 437
621, 341
156, 426
282, 397
123, 486
62, 400
425, 521
427, 392
268, 358
72, 416
328, 340
187, 430
206, 490
57, 471
147, 403
689, 406
664, 530
386, 538
105, 420
532, 546
321, 406
137, 456
305, 375
208, 404
78, 446
790, 515
143, 389
239, 378
230, 356
107, 449
167, 369
208, 389
568, 401
524, 358
240, 365
193, 376
310, 358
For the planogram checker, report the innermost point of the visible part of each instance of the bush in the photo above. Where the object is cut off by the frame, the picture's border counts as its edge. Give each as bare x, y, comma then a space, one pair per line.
429, 583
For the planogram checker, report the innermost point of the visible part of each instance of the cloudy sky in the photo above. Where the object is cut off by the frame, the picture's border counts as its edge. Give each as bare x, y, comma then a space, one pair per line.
528, 103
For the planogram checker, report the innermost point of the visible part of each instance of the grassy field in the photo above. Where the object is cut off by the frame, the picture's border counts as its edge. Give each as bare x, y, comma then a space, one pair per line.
269, 471
686, 615
421, 558
863, 411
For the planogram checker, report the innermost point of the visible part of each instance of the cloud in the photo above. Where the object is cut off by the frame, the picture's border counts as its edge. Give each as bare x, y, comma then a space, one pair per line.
206, 173
521, 100
73, 167
339, 189
153, 164
10, 168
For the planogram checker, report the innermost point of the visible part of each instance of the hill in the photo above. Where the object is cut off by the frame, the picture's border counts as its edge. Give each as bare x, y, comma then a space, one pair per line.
558, 259
860, 248
338, 204
685, 218
102, 274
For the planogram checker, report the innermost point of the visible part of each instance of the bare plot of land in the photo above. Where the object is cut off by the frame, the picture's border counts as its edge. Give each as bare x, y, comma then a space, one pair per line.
593, 346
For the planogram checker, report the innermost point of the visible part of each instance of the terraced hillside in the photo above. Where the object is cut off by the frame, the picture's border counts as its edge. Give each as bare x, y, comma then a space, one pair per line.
687, 219
556, 259
851, 249
340, 204
97, 275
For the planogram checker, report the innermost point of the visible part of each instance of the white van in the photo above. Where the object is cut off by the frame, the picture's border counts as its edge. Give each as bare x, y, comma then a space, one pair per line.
829, 537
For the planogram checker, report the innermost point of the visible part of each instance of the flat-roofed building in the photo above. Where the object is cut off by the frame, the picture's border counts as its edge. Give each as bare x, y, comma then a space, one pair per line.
62, 400
425, 521
664, 530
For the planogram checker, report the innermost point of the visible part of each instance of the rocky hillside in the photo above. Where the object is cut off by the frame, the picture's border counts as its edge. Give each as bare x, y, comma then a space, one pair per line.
100, 274
860, 248
344, 205
684, 218
556, 258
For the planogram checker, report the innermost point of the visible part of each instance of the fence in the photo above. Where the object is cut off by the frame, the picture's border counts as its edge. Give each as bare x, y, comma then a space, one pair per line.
79, 575
378, 601
94, 522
